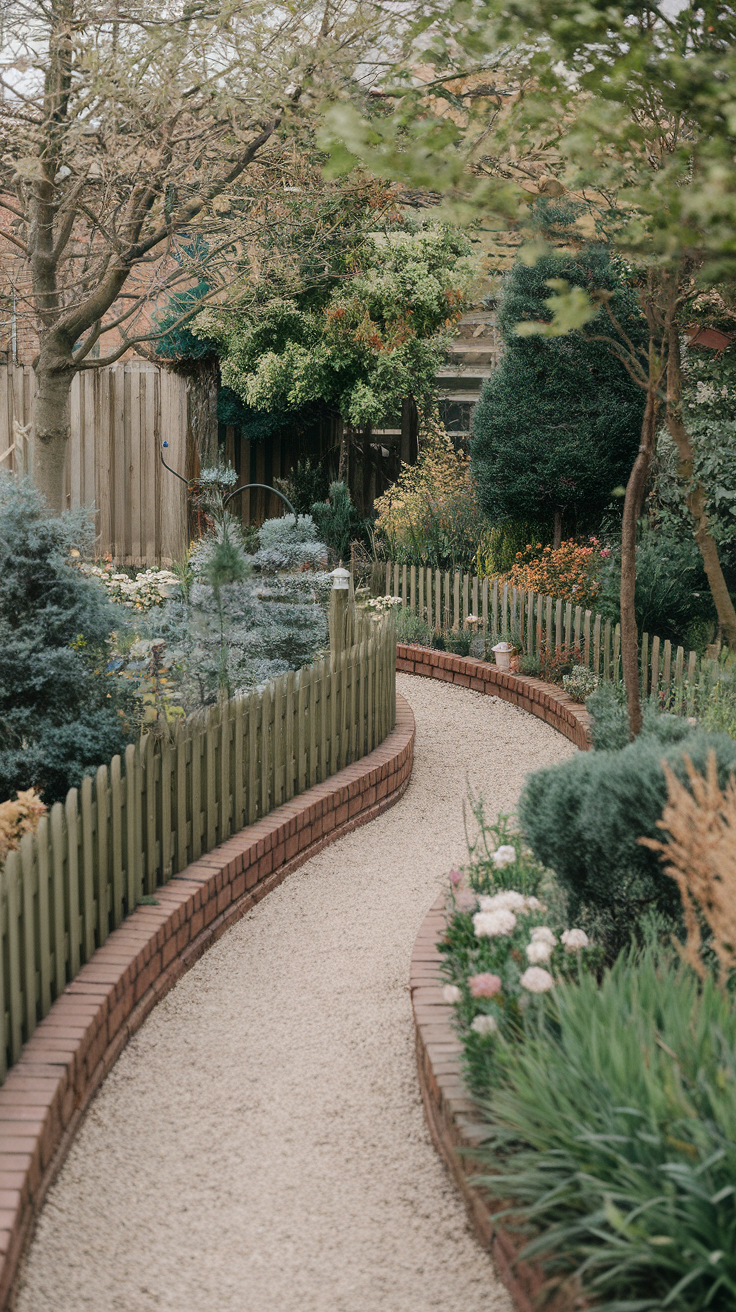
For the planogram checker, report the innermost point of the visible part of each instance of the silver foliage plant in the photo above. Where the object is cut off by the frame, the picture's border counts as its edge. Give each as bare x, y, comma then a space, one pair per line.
243, 618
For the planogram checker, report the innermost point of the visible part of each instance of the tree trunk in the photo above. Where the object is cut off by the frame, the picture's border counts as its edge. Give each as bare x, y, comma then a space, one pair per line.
367, 469
633, 501
696, 501
409, 431
202, 385
52, 427
342, 469
557, 538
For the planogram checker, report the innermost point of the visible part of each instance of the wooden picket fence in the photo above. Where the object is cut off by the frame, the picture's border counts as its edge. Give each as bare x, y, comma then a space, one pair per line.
145, 817
446, 598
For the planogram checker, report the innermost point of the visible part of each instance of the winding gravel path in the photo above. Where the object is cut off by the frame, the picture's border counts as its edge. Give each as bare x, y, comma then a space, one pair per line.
260, 1145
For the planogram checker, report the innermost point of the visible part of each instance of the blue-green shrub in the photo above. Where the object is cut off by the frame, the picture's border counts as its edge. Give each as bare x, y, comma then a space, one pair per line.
60, 716
583, 818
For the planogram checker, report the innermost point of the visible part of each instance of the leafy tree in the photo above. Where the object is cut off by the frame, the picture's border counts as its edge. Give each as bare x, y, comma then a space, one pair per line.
625, 106
130, 130
60, 717
557, 426
360, 342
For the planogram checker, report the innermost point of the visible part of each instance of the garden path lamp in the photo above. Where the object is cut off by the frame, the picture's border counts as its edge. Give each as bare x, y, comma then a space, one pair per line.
340, 614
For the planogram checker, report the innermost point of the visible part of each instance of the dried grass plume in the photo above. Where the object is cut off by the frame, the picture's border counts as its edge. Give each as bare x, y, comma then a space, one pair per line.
18, 818
701, 856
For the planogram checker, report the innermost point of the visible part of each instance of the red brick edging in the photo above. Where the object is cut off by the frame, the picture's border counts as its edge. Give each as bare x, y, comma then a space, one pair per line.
544, 700
45, 1094
451, 1115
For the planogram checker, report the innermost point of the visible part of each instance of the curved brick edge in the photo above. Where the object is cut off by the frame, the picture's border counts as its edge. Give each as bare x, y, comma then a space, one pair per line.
453, 1119
544, 700
46, 1093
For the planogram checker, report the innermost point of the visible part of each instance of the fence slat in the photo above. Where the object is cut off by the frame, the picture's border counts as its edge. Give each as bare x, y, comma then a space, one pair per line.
29, 881
101, 864
45, 914
667, 665
655, 664
88, 868
133, 855
73, 884
58, 849
116, 841
15, 993
253, 795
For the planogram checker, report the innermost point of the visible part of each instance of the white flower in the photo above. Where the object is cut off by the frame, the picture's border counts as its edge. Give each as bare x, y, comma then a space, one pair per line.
533, 904
538, 952
506, 901
505, 855
451, 993
574, 939
492, 924
537, 980
543, 935
484, 1025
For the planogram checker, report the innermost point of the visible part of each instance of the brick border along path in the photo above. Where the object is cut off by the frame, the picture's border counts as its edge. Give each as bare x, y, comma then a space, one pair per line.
46, 1093
451, 1115
545, 700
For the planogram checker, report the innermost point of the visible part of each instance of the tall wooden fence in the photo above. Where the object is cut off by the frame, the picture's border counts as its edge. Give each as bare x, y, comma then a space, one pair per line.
532, 620
145, 817
120, 414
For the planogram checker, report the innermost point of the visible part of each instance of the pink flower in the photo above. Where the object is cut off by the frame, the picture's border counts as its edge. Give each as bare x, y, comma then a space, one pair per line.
605, 553
455, 878
484, 986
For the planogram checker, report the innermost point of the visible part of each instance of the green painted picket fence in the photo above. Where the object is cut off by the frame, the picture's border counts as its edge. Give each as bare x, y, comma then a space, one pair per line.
146, 816
446, 598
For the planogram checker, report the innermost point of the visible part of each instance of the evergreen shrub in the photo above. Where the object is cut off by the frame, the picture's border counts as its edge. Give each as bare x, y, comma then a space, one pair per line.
60, 716
583, 818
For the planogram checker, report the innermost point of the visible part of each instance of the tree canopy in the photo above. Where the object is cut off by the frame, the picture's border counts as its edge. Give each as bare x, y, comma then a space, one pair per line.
360, 339
557, 426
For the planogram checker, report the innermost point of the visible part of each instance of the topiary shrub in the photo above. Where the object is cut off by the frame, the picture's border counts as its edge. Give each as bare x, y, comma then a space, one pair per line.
584, 818
338, 522
60, 717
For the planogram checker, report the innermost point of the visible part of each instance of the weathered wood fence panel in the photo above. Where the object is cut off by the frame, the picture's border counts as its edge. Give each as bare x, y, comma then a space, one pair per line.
126, 831
533, 622
120, 414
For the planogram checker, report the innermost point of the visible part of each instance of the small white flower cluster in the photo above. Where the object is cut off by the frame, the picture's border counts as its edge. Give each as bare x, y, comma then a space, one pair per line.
149, 588
384, 603
505, 855
497, 915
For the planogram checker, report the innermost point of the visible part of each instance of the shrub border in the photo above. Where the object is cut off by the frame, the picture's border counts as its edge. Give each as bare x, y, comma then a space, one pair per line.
47, 1091
451, 1115
545, 700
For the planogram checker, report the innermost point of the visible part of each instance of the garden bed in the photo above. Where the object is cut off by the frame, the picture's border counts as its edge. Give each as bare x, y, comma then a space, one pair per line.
454, 1122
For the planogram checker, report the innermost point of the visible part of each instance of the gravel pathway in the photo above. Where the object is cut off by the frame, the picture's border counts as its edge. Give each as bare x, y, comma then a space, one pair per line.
260, 1145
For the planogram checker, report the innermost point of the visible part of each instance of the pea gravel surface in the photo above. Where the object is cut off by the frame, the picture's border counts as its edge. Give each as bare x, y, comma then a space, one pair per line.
260, 1145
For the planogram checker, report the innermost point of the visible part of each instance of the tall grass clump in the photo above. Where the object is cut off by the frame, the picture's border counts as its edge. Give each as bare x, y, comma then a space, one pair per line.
614, 1137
